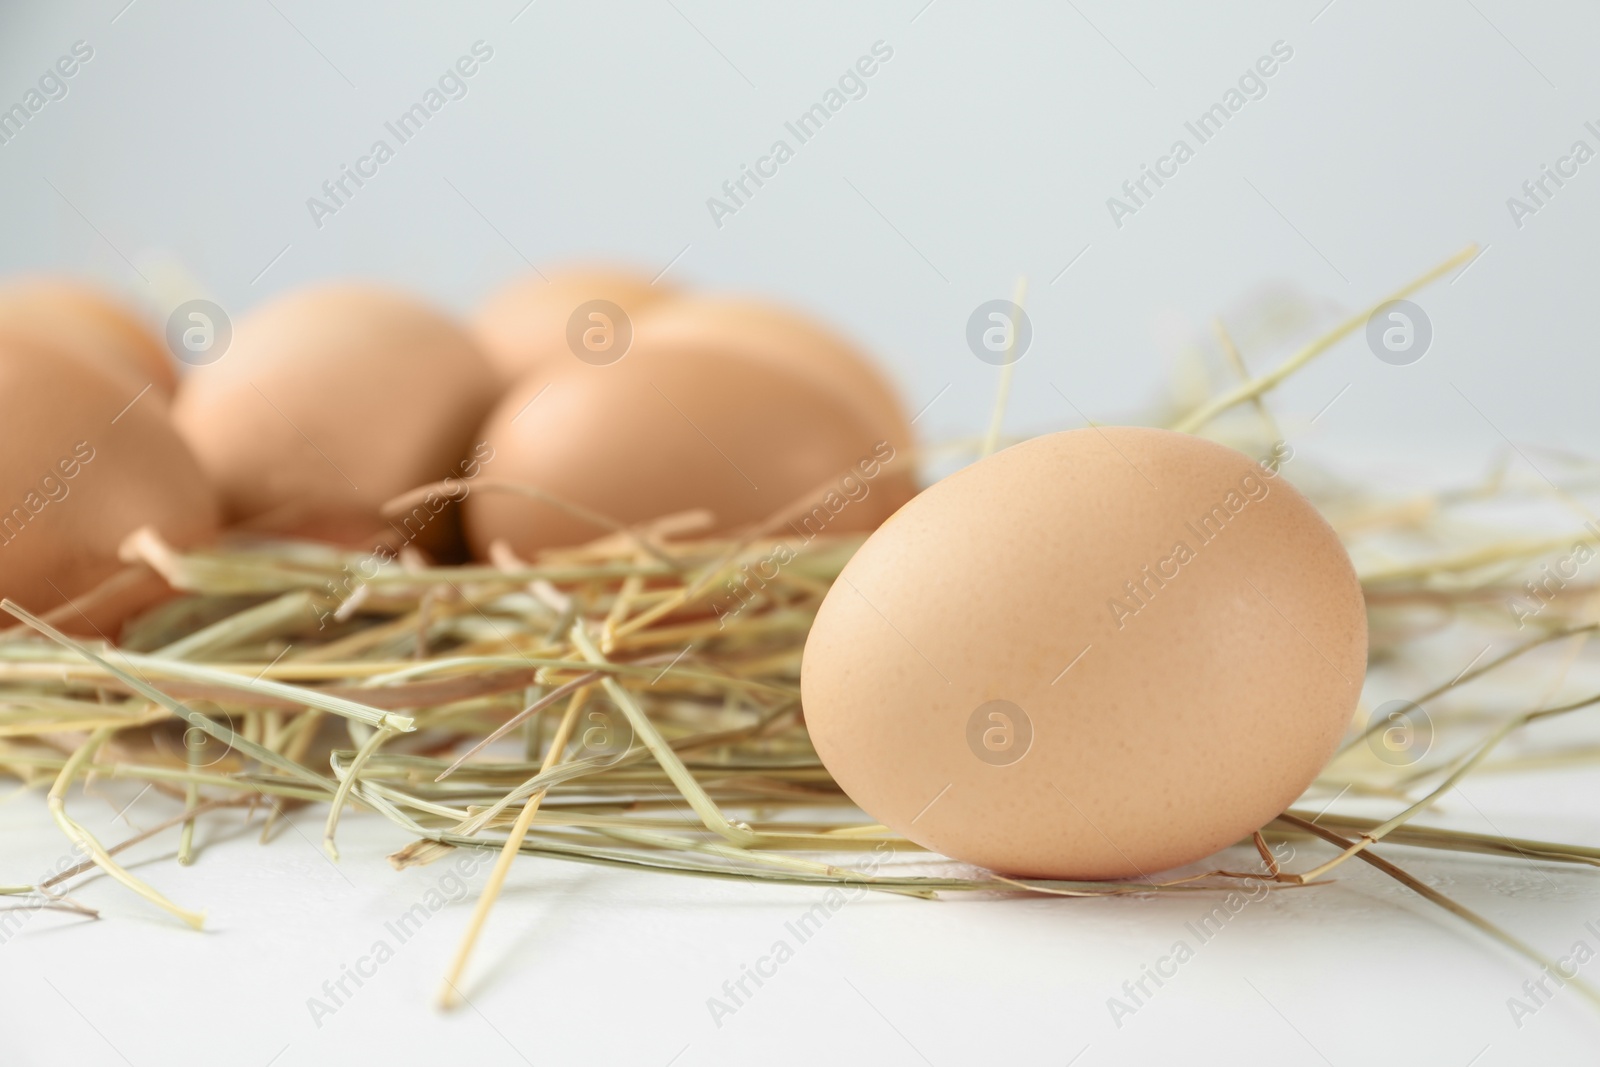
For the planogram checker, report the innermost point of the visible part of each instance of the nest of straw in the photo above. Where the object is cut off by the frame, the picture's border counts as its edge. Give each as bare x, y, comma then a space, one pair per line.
596, 706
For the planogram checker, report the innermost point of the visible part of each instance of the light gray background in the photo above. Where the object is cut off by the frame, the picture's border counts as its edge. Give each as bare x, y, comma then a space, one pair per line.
984, 150
181, 161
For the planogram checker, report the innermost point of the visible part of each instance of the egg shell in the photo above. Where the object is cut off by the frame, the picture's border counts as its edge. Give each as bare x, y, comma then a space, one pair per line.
523, 327
332, 401
1097, 654
672, 429
63, 315
782, 338
82, 468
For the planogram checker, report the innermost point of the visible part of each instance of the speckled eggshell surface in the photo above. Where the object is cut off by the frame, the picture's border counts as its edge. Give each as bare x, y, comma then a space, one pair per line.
1094, 655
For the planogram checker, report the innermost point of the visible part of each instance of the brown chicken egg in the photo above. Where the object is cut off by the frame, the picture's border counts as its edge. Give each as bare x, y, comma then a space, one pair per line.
780, 338
331, 401
670, 429
62, 315
534, 324
1094, 655
82, 468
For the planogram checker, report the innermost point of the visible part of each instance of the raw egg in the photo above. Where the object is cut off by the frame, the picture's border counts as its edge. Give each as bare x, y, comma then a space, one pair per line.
62, 315
536, 325
331, 401
781, 338
1094, 655
671, 429
85, 464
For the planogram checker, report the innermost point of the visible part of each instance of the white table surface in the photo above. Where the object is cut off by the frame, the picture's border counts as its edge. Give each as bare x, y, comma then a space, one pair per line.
593, 965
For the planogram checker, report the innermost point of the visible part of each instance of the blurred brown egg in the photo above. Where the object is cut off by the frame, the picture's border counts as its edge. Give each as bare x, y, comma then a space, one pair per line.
534, 324
80, 468
672, 428
781, 338
331, 401
68, 316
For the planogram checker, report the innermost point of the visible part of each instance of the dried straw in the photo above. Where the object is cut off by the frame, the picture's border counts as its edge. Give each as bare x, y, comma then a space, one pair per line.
681, 748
